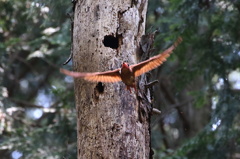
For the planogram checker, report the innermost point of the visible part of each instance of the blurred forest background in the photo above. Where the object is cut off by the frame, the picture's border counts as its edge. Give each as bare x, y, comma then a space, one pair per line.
198, 91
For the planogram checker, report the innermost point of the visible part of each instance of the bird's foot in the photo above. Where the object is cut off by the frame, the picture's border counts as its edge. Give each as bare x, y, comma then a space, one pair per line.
129, 89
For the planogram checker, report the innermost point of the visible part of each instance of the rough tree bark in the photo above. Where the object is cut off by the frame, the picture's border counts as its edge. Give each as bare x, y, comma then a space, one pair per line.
112, 122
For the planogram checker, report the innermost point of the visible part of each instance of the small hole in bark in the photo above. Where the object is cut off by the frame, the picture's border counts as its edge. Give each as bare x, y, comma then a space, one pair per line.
100, 87
110, 41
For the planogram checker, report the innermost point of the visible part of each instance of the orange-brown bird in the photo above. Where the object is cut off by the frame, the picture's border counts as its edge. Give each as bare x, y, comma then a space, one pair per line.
126, 73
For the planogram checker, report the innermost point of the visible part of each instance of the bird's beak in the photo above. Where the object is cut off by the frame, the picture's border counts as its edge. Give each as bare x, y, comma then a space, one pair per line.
125, 65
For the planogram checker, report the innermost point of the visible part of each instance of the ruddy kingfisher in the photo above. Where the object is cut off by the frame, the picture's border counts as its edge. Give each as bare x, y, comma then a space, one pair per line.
127, 73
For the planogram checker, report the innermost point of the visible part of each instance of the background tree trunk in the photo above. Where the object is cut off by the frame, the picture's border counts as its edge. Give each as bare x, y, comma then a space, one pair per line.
105, 33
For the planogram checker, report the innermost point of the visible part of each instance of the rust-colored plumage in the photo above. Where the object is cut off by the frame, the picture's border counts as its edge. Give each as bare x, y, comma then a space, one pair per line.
126, 73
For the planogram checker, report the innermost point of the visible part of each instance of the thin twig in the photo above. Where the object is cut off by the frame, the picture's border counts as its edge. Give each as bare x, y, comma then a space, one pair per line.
156, 111
31, 105
171, 109
69, 59
24, 103
151, 83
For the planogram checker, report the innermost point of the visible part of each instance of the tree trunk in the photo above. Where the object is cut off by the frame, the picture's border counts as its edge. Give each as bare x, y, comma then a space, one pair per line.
110, 124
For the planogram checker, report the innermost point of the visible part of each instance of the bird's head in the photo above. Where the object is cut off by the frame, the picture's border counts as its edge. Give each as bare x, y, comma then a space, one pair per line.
125, 65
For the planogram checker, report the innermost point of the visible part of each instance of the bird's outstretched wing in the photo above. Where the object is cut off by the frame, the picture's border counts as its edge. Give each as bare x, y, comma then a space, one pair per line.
154, 61
108, 76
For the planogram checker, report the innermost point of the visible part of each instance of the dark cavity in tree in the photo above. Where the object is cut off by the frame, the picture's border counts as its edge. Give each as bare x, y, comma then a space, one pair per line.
100, 87
110, 41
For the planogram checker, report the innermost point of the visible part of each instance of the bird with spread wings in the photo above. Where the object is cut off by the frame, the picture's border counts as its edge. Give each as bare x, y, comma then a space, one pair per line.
127, 73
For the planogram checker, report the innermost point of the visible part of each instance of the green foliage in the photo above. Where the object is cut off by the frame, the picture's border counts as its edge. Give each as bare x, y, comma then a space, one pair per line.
210, 50
34, 42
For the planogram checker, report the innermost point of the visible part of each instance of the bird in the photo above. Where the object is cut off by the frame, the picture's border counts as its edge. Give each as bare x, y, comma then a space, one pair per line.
127, 73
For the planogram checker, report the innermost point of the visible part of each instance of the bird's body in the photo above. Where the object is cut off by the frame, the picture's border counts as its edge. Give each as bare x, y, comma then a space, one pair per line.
127, 76
126, 73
